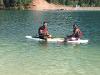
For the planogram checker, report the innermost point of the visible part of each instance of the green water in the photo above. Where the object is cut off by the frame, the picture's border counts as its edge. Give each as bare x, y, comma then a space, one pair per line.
20, 56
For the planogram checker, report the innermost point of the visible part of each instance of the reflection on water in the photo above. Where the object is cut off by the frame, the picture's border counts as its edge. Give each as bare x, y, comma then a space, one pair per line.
21, 56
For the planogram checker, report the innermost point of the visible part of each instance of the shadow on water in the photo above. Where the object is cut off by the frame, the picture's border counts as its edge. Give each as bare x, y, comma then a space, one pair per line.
43, 44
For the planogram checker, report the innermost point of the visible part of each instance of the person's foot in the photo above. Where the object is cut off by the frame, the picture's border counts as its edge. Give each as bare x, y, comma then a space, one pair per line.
49, 36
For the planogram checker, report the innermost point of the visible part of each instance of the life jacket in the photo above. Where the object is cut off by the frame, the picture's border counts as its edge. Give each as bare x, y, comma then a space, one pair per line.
45, 31
78, 34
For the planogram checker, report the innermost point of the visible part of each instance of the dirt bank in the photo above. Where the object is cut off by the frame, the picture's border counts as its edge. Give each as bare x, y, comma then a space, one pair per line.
43, 5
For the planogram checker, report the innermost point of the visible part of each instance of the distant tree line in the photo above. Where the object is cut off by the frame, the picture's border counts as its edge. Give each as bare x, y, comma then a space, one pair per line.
13, 3
76, 2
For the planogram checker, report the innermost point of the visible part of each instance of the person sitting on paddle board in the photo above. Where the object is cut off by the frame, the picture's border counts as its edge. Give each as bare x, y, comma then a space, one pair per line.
43, 31
76, 32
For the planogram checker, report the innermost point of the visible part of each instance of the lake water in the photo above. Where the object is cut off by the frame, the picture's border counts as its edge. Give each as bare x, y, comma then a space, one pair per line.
20, 56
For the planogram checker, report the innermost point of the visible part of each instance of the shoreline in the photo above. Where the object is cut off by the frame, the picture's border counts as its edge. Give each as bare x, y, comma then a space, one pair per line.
58, 8
70, 9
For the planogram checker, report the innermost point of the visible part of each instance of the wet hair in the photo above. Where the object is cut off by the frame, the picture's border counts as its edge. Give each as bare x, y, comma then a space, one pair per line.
75, 26
44, 22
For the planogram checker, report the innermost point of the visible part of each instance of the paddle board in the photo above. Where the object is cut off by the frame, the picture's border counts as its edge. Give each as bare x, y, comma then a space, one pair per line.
57, 40
48, 40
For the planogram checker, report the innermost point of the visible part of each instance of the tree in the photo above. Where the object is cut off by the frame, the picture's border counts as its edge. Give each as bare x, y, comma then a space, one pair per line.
66, 2
6, 3
1, 2
80, 2
91, 2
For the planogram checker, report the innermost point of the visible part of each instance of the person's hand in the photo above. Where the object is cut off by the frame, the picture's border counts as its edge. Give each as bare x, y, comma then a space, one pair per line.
41, 31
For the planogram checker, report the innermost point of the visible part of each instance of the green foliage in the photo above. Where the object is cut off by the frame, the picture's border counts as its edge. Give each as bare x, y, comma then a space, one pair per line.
23, 1
13, 3
97, 4
76, 2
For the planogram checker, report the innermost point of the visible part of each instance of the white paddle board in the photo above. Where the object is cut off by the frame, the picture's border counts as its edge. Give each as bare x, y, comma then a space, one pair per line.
57, 40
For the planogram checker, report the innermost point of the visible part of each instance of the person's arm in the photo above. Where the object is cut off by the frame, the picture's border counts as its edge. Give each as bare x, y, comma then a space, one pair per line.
80, 33
40, 31
77, 30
